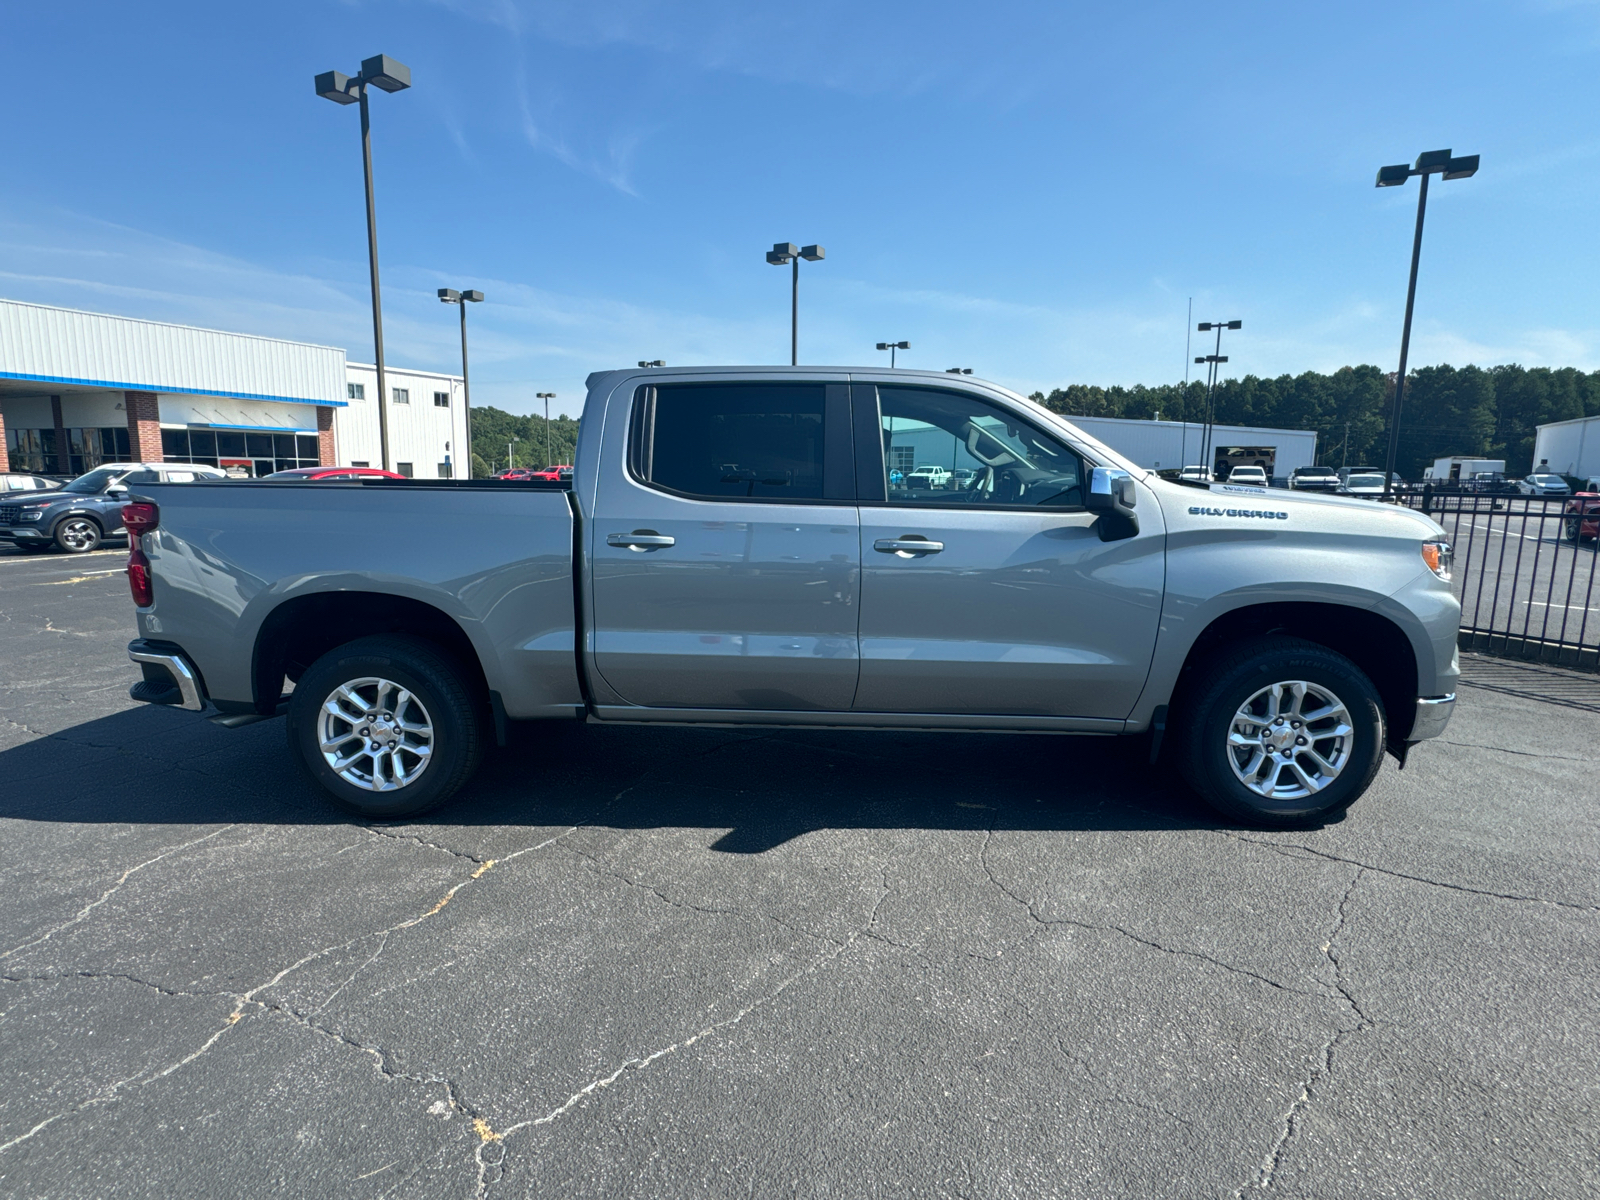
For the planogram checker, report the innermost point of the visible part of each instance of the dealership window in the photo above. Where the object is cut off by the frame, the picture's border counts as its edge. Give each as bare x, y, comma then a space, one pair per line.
404, 469
444, 470
241, 451
441, 399
83, 450
401, 395
360, 464
355, 391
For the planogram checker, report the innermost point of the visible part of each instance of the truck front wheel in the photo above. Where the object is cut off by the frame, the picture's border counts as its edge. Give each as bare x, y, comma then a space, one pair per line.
1282, 732
386, 725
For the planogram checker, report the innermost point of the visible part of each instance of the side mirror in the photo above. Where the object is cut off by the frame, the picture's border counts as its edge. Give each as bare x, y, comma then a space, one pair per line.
1112, 494
116, 489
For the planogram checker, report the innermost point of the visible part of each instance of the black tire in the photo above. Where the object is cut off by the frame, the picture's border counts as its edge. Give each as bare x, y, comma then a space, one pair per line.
1572, 529
78, 535
448, 704
1235, 677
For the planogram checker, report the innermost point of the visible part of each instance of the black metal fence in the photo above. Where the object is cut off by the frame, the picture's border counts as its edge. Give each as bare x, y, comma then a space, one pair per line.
1525, 570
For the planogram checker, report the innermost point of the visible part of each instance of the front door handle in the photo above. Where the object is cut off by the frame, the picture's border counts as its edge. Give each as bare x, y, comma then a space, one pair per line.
641, 540
911, 545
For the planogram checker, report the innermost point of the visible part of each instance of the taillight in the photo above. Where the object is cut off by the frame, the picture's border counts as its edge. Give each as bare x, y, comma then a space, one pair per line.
140, 519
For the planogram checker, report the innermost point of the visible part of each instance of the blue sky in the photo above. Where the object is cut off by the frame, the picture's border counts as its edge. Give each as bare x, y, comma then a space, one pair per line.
1031, 190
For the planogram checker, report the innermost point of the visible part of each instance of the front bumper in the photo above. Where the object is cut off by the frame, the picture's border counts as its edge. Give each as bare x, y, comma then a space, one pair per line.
184, 689
1433, 714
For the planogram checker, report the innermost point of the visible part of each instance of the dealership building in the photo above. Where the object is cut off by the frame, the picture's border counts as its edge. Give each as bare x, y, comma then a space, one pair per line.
78, 389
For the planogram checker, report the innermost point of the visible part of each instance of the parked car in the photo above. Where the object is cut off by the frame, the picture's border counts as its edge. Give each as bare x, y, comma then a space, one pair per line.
928, 476
333, 474
1314, 479
78, 516
1195, 474
26, 483
1491, 483
1368, 487
1249, 476
514, 473
1274, 668
1582, 516
551, 474
1543, 485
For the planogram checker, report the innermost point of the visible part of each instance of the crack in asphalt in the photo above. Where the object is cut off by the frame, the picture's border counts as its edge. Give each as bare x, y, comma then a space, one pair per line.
50, 976
1323, 1065
1523, 753
490, 1171
1284, 847
1047, 922
83, 913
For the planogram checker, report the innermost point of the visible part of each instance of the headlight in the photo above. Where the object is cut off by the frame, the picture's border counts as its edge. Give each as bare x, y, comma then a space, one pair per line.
1436, 552
31, 514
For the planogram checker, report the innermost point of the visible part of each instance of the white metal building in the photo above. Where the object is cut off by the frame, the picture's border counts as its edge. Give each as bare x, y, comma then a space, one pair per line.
80, 388
1160, 445
1569, 448
427, 424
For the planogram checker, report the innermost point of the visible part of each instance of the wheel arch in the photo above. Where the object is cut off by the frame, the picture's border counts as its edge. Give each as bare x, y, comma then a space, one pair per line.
1375, 643
303, 628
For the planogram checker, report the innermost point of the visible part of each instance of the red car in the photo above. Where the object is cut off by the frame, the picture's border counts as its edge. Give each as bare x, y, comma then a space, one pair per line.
1582, 519
333, 474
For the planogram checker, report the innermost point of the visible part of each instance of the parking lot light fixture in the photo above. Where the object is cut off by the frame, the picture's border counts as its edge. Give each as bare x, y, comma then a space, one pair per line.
891, 347
546, 397
385, 74
1214, 363
462, 299
788, 253
654, 362
958, 370
1432, 162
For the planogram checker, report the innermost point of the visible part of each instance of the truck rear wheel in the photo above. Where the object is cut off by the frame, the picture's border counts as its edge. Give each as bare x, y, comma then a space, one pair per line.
1282, 732
386, 725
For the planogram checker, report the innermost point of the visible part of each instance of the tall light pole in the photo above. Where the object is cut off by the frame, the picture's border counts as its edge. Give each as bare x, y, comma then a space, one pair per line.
385, 74
1434, 162
462, 299
1215, 360
546, 397
788, 252
511, 454
891, 347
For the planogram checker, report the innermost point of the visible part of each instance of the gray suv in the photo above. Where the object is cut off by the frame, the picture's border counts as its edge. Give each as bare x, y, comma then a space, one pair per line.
78, 516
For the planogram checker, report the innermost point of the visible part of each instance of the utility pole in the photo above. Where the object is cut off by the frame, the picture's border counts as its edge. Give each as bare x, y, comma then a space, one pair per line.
547, 397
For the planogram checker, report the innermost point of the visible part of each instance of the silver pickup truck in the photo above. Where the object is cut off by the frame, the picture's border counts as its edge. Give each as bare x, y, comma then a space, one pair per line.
757, 546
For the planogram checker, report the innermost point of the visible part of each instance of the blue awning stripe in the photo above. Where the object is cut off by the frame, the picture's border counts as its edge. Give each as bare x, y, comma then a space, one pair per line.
171, 391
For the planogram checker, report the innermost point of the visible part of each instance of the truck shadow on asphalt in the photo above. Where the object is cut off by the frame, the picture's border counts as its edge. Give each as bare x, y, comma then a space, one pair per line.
763, 787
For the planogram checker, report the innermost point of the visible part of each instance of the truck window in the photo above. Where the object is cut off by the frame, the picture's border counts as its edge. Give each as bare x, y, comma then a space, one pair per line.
970, 454
759, 441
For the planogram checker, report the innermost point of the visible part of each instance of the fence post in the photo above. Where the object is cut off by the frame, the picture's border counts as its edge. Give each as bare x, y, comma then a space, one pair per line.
1427, 499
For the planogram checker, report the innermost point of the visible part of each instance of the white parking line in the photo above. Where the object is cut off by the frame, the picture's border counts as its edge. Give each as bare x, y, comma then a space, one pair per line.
1548, 604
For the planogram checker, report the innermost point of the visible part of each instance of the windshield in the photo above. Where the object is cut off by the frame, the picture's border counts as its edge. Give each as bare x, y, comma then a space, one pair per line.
1364, 481
1546, 480
1321, 472
93, 483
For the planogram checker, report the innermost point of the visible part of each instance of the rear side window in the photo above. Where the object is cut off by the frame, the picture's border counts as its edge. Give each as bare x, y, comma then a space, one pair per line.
760, 441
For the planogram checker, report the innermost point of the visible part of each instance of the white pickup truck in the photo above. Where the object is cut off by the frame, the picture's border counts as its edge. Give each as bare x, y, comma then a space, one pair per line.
730, 551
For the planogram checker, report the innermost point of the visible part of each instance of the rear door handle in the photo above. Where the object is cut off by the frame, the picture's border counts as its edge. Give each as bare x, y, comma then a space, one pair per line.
641, 540
910, 546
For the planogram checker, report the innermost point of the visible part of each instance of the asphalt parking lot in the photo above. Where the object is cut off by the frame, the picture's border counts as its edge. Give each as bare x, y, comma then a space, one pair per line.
688, 963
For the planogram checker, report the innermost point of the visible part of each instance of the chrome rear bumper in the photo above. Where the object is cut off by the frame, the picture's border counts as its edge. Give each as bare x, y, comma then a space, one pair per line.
177, 666
1433, 714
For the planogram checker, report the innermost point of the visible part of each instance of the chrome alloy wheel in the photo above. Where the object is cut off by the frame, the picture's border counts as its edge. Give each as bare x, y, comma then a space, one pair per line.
1290, 740
79, 534
375, 735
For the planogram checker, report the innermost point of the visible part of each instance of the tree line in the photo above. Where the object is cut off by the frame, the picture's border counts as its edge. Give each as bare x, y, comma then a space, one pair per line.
1490, 412
493, 428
